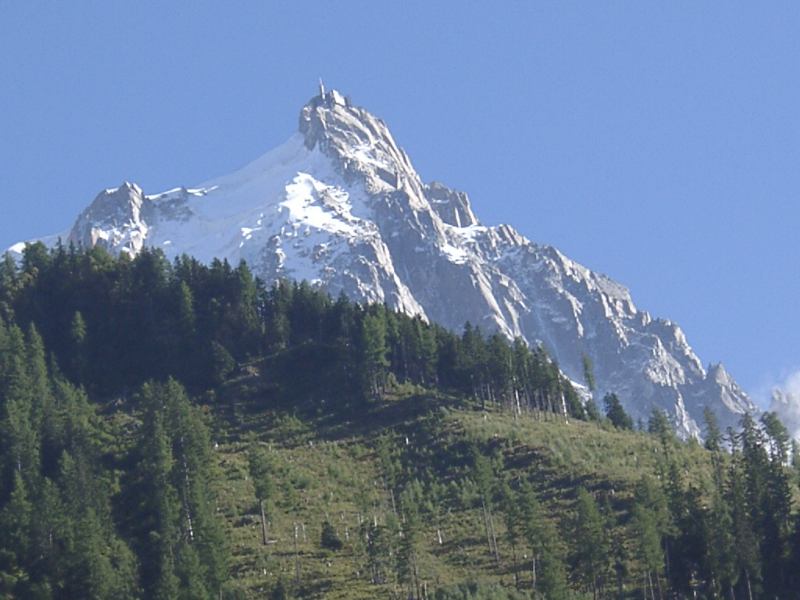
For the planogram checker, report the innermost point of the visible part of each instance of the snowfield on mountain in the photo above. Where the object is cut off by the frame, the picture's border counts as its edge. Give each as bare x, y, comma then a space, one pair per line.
339, 204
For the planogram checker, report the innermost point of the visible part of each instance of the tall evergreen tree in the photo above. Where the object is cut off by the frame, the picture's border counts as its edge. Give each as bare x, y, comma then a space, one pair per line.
776, 509
262, 472
484, 477
745, 536
159, 512
591, 549
179, 538
615, 413
513, 522
20, 436
722, 574
100, 565
373, 359
377, 551
588, 373
408, 554
78, 346
15, 528
548, 573
648, 543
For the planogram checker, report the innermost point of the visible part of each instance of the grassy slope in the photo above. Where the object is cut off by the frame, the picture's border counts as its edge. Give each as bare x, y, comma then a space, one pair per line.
329, 470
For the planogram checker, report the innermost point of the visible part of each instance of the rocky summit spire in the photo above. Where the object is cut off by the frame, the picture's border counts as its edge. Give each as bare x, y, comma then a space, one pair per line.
360, 143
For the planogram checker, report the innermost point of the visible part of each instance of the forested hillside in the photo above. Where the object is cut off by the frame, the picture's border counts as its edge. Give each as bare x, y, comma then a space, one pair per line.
176, 430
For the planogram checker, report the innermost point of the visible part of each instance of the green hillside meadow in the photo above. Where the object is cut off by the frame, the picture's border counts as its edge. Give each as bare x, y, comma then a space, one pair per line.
179, 430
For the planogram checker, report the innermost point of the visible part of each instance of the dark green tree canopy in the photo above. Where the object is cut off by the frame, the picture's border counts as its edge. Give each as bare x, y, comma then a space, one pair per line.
615, 413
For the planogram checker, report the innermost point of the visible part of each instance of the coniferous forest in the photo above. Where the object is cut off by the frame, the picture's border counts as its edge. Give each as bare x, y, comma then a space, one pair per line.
180, 430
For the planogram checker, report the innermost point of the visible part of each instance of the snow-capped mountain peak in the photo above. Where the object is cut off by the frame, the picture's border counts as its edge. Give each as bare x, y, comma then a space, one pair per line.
340, 205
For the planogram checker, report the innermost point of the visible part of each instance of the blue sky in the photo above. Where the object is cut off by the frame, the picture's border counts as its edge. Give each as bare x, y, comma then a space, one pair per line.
658, 143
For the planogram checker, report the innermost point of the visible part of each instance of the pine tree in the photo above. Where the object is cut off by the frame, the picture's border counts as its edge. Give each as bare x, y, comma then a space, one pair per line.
713, 443
373, 359
588, 373
499, 369
101, 566
794, 558
278, 326
484, 477
329, 539
180, 542
650, 523
35, 259
221, 363
47, 564
659, 425
722, 574
648, 546
20, 437
377, 551
548, 573
427, 352
246, 323
776, 508
592, 412
746, 540
262, 472
713, 438
616, 414
190, 573
78, 346
192, 476
591, 549
513, 522
279, 592
472, 364
160, 511
15, 528
408, 554
186, 333
9, 285
38, 378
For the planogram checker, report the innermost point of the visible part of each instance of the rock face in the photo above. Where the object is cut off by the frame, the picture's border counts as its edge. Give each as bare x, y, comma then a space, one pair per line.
115, 220
340, 204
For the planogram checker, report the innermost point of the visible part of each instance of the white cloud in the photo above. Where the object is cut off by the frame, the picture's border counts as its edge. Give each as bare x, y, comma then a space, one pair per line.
786, 402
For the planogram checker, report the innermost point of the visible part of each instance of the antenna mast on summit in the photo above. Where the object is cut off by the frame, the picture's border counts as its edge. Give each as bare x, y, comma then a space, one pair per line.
321, 88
